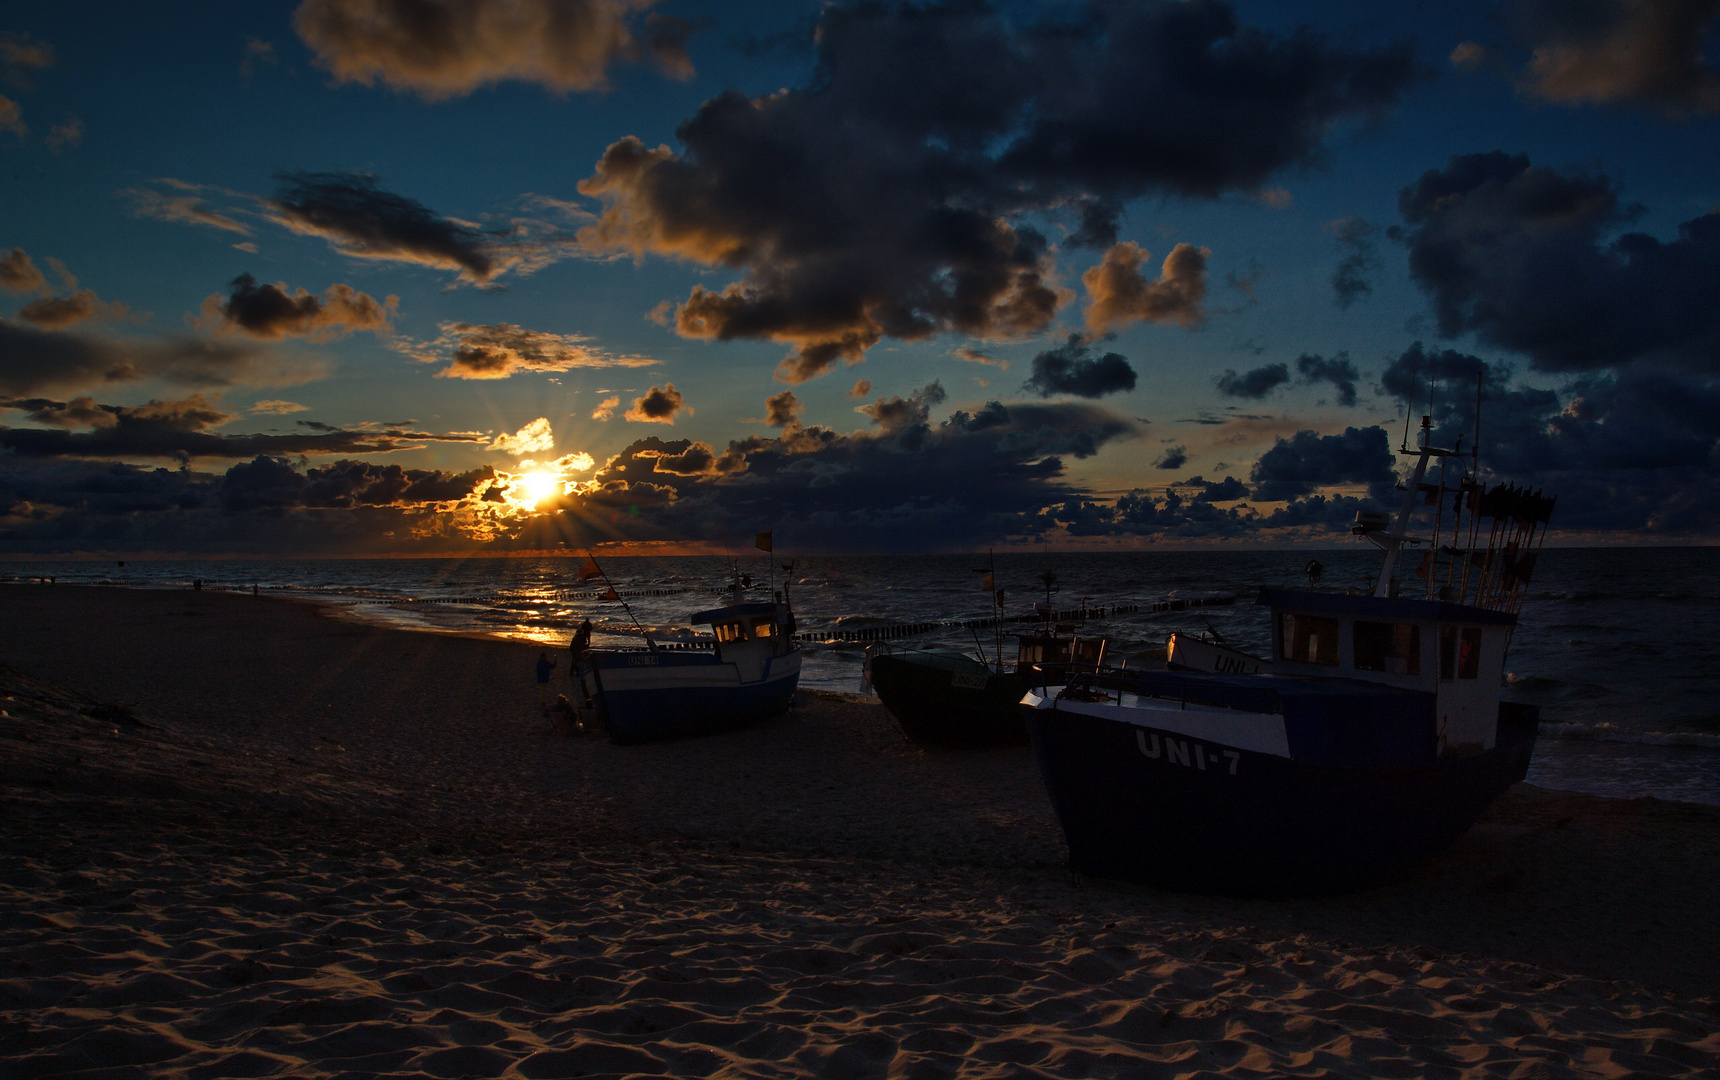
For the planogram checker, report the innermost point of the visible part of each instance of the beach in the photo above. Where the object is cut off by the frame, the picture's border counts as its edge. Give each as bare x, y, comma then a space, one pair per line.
245, 836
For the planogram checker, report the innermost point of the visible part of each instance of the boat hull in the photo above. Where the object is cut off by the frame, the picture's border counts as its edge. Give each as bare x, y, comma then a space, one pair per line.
646, 696
1151, 805
938, 706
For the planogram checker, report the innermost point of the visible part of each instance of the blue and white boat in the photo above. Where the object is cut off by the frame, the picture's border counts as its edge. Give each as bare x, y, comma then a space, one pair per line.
1373, 738
749, 673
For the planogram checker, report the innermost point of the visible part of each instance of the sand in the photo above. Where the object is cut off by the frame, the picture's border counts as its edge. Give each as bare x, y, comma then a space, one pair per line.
240, 837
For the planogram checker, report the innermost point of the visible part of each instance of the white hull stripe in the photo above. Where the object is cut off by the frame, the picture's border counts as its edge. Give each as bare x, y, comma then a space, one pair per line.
1262, 733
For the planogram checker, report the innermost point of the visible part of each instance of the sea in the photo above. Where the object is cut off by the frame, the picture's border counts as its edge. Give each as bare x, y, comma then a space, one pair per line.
1620, 648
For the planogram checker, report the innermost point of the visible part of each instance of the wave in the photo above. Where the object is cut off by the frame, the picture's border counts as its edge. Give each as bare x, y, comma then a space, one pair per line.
1604, 732
1531, 682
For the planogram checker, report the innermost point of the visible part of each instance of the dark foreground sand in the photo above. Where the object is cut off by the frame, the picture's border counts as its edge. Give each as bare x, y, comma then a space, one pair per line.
315, 848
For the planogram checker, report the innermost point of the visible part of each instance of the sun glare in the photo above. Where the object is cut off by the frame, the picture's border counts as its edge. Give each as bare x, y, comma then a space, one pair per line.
540, 486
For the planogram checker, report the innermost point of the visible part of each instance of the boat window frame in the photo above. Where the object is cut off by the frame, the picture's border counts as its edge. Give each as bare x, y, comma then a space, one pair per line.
766, 624
1394, 644
1469, 653
727, 632
1292, 634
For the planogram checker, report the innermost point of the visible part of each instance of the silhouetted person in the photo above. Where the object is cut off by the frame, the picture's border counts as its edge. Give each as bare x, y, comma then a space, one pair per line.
544, 666
580, 644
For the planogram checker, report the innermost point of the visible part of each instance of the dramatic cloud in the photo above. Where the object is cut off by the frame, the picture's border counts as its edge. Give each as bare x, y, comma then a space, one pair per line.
860, 389
180, 430
1635, 451
1007, 122
657, 406
277, 407
363, 221
446, 48
80, 412
1119, 294
1071, 368
606, 408
895, 414
499, 350
1174, 457
1517, 254
1229, 489
1355, 240
1339, 371
34, 361
1307, 461
1255, 384
59, 312
908, 483
1600, 51
271, 312
18, 274
535, 438
783, 409
268, 505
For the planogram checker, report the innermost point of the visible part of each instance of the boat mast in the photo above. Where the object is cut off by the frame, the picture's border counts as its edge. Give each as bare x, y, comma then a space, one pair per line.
1394, 540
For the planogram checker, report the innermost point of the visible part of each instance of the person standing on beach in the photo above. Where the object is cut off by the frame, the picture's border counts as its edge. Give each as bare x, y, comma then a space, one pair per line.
544, 666
579, 645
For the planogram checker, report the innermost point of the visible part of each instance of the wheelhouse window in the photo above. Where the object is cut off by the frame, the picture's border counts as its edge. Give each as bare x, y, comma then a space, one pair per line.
1394, 648
1459, 653
1310, 639
764, 629
1043, 651
727, 632
1469, 653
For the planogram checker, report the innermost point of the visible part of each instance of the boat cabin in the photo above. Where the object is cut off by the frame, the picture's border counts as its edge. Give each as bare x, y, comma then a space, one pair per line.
1052, 649
748, 635
1454, 651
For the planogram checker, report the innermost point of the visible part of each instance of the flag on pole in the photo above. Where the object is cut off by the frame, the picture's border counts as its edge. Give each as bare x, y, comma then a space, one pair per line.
987, 584
610, 595
589, 570
762, 541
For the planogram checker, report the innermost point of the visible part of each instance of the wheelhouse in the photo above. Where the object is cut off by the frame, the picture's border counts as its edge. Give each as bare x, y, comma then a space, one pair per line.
1454, 651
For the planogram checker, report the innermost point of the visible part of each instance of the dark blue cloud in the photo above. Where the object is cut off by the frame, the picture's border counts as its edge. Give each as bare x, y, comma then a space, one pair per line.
1253, 384
1071, 368
1355, 240
1519, 255
1306, 461
871, 202
354, 213
1338, 371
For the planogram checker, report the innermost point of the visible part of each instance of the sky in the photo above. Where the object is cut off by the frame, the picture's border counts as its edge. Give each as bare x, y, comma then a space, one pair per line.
397, 277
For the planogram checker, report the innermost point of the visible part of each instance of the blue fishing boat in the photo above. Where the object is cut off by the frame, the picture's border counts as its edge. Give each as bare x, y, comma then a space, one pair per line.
1372, 738
749, 673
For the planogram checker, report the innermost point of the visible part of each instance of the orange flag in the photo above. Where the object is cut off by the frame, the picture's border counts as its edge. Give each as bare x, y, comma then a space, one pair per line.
762, 541
610, 595
589, 570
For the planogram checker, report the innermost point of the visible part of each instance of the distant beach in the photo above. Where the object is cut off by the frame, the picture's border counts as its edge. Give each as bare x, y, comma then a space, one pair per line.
242, 837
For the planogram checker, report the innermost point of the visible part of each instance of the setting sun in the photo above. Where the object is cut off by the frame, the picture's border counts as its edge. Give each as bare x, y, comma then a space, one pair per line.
540, 486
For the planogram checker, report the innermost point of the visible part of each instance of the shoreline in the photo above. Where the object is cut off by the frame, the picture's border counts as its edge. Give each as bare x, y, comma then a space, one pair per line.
310, 833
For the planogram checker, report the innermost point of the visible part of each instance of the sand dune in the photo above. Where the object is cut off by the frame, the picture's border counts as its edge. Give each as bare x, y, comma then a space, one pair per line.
311, 848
